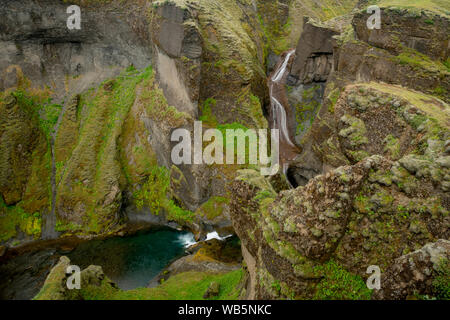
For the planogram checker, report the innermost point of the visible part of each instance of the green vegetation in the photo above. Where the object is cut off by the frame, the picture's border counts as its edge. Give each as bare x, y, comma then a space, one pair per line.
447, 64
47, 113
306, 109
13, 217
154, 194
25, 158
435, 108
213, 207
441, 283
339, 284
207, 114
323, 9
250, 109
276, 33
420, 61
437, 6
236, 127
92, 170
392, 146
333, 97
183, 286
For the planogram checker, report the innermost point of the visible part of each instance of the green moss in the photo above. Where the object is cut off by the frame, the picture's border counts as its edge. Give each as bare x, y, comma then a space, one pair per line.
263, 194
110, 151
152, 97
250, 109
213, 207
305, 110
207, 114
362, 204
441, 7
441, 283
358, 155
333, 97
46, 112
392, 146
447, 64
355, 132
435, 109
275, 32
339, 284
155, 194
235, 126
420, 61
13, 218
183, 286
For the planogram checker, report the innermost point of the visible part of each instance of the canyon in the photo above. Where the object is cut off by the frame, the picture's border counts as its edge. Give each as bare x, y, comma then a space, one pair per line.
87, 116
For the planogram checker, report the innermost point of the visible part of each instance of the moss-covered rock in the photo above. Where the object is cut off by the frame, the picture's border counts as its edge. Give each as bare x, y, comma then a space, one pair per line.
95, 285
335, 227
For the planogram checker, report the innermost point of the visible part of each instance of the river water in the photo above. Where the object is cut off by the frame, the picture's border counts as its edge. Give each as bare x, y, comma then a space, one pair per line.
131, 261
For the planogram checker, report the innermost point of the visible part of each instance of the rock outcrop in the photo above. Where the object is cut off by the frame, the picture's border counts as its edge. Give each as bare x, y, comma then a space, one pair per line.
372, 173
34, 36
95, 285
425, 271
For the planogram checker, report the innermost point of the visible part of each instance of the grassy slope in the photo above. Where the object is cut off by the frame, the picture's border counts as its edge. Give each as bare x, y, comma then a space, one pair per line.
437, 6
435, 108
183, 286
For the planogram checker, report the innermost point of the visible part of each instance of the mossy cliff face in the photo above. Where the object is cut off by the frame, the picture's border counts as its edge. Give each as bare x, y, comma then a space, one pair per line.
92, 169
102, 156
362, 55
106, 147
25, 161
326, 234
373, 172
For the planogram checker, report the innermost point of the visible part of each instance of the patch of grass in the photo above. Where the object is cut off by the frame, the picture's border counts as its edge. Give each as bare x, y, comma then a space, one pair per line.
437, 6
43, 110
207, 115
183, 286
213, 207
441, 283
13, 218
434, 107
392, 146
418, 60
447, 64
306, 109
339, 284
155, 195
334, 96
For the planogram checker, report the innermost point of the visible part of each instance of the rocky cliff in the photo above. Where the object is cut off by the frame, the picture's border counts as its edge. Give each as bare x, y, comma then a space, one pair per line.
373, 172
86, 118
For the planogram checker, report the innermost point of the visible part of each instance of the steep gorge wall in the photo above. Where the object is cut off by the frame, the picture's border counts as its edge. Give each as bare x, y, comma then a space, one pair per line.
377, 150
99, 148
415, 60
35, 37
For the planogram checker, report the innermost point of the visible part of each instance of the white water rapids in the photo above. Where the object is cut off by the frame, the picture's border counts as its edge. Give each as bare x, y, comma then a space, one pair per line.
188, 239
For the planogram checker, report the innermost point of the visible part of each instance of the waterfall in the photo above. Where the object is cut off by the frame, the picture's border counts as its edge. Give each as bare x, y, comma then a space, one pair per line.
188, 240
215, 235
282, 70
288, 150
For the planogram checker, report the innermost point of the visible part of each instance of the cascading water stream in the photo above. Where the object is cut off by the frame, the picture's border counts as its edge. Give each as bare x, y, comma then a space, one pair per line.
288, 150
188, 240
